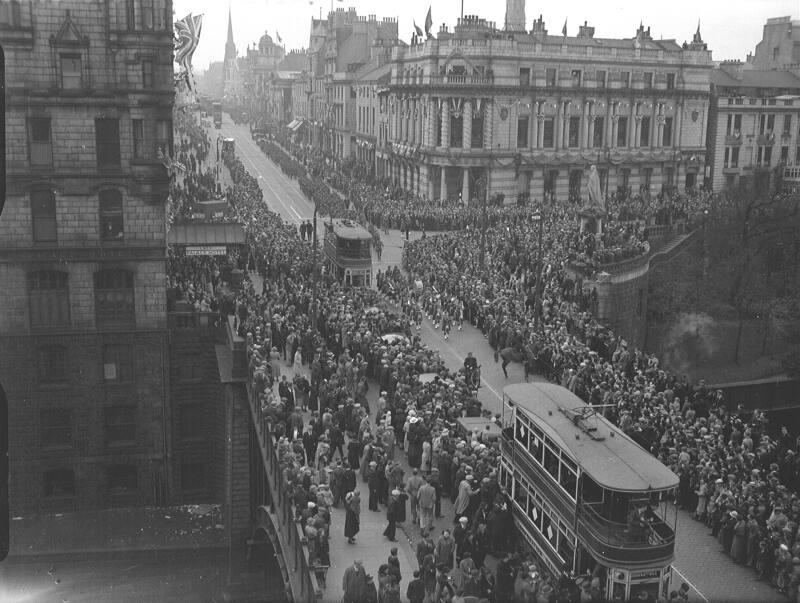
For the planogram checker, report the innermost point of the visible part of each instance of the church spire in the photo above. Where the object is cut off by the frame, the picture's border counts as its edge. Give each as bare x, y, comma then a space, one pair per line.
230, 47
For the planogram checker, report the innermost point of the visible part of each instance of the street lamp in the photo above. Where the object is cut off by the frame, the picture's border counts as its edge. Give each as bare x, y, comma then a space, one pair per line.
537, 218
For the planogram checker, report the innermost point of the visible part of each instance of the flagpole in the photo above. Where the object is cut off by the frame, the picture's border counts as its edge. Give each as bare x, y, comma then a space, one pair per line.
462, 9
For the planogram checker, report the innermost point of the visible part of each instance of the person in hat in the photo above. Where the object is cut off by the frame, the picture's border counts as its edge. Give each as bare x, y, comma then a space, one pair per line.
392, 512
465, 493
354, 583
352, 518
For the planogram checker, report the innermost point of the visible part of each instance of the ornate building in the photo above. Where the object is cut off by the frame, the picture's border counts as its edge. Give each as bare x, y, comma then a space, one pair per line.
480, 111
83, 331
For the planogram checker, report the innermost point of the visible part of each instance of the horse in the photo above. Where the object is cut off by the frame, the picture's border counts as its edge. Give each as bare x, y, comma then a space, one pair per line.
511, 355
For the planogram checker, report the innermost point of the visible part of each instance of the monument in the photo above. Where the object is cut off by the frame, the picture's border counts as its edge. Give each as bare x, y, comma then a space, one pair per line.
594, 207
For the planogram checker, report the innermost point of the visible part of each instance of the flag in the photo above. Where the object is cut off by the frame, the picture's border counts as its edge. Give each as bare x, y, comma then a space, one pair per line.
417, 28
187, 37
278, 37
564, 31
428, 22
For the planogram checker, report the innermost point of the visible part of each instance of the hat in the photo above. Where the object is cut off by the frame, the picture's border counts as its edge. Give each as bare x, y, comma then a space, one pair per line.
311, 505
395, 492
463, 520
373, 464
470, 478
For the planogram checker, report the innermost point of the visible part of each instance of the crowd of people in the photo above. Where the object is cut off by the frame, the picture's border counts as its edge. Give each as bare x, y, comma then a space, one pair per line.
734, 474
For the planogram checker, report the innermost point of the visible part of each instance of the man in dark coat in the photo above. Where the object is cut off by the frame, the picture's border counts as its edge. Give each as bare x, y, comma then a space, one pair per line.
391, 516
354, 582
374, 482
435, 481
348, 479
416, 589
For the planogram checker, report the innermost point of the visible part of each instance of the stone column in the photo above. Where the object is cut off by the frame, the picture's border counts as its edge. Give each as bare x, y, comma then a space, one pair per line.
677, 125
583, 141
431, 125
442, 183
631, 125
535, 126
559, 124
466, 130
465, 185
488, 122
540, 127
430, 183
614, 130
446, 123
608, 133
420, 138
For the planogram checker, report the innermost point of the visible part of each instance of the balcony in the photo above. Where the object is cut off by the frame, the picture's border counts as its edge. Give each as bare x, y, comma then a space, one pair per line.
766, 139
616, 543
734, 138
193, 320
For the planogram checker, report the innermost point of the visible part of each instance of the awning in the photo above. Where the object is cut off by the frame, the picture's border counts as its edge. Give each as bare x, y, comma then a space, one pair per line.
206, 234
292, 124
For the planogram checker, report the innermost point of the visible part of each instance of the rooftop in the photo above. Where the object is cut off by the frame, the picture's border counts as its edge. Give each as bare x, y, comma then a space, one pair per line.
609, 457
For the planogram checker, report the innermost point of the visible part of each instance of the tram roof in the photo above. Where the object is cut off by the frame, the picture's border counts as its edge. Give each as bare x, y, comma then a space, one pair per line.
206, 233
347, 229
610, 458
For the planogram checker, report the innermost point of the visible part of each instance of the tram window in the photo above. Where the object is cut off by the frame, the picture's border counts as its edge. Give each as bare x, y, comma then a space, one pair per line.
522, 432
535, 447
521, 496
565, 548
551, 462
548, 530
536, 513
568, 480
570, 463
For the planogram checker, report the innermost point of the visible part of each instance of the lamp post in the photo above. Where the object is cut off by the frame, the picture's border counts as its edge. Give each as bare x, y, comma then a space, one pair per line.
219, 138
314, 274
537, 218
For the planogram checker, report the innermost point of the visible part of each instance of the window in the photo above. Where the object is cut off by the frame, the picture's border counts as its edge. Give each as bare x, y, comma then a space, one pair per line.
732, 158
164, 136
548, 133
111, 215
522, 432
787, 125
122, 479
535, 447
667, 132
147, 14
625, 78
138, 138
130, 14
107, 142
476, 141
524, 76
768, 156
550, 77
775, 53
190, 422
522, 132
648, 79
59, 482
551, 462
670, 81
147, 74
43, 216
573, 140
9, 14
49, 299
576, 78
669, 176
625, 177
644, 138
597, 134
51, 361
113, 294
56, 427
71, 72
521, 495
622, 132
762, 124
600, 78
193, 476
120, 424
770, 123
41, 148
117, 363
569, 476
647, 178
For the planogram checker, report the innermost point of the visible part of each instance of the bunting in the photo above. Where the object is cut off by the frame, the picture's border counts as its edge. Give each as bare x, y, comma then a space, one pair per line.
171, 165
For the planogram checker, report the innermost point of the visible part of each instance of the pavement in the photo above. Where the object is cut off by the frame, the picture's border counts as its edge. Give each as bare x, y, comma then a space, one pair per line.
710, 573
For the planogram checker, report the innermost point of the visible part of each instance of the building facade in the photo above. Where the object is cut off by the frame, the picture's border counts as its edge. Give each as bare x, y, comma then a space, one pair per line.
779, 47
754, 126
83, 333
475, 113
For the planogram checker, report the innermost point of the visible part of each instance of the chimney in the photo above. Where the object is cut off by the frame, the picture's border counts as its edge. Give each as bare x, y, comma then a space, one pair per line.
584, 31
538, 27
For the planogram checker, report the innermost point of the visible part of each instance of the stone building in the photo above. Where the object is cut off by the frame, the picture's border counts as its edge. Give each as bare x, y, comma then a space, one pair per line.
754, 126
83, 333
779, 47
481, 111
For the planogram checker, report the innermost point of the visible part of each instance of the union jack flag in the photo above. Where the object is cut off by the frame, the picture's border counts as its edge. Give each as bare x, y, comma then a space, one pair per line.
187, 37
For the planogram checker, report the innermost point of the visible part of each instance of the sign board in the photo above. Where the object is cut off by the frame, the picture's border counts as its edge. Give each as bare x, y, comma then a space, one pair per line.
206, 250
646, 574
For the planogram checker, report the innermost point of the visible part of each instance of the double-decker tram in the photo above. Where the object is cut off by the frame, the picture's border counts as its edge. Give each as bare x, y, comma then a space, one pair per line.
348, 252
586, 497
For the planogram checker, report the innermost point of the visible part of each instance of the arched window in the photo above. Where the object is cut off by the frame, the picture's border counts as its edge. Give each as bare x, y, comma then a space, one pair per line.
49, 299
111, 221
113, 298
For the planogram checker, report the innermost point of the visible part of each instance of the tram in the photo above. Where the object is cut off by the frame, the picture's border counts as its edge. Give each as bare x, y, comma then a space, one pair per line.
585, 497
348, 253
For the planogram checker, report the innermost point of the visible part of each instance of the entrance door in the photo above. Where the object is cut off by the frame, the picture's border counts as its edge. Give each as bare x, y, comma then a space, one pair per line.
575, 178
691, 180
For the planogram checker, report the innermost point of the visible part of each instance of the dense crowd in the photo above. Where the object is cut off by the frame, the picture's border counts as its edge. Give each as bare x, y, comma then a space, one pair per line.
734, 474
737, 476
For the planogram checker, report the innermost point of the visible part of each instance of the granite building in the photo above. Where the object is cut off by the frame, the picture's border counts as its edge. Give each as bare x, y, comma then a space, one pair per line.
83, 333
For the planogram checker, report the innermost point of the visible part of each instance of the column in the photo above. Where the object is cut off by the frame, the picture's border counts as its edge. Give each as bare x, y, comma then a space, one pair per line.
430, 181
420, 120
608, 126
614, 131
446, 123
631, 124
559, 124
488, 122
677, 125
535, 126
442, 183
540, 127
464, 185
584, 144
466, 130
660, 132
431, 125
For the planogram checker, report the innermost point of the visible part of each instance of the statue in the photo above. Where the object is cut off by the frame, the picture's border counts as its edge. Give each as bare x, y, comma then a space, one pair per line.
595, 204
594, 207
